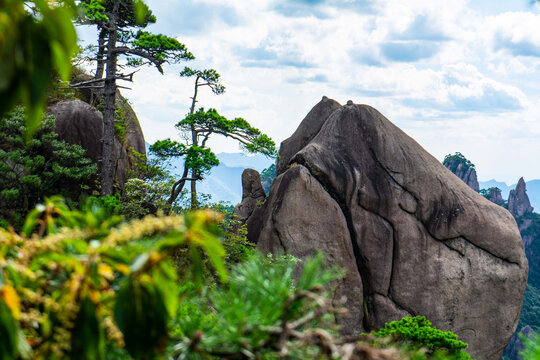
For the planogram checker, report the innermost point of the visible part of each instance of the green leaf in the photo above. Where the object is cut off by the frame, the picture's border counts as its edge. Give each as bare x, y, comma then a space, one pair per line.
141, 314
23, 348
166, 281
213, 248
8, 333
87, 339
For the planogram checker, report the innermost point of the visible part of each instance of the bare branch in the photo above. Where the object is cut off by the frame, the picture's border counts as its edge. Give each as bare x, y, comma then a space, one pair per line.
127, 50
85, 84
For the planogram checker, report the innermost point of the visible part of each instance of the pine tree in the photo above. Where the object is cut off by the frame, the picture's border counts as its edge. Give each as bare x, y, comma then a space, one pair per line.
115, 20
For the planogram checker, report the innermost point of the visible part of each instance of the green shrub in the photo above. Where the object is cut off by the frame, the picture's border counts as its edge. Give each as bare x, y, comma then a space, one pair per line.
45, 166
417, 332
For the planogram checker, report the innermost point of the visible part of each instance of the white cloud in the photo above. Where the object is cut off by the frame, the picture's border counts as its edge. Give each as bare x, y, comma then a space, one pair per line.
453, 76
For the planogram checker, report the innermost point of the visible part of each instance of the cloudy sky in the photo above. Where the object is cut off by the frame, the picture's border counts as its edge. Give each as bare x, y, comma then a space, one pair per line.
461, 75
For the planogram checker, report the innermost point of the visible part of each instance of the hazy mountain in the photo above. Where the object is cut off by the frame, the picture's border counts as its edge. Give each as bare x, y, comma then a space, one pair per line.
224, 183
533, 190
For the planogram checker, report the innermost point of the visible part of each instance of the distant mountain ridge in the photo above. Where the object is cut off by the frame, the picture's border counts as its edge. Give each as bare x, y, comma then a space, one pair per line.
224, 183
533, 190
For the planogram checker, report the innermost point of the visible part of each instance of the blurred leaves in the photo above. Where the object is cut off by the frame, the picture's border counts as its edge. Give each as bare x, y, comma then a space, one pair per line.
85, 280
37, 38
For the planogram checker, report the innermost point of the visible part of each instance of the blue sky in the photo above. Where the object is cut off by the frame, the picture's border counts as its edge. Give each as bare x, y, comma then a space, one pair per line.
460, 75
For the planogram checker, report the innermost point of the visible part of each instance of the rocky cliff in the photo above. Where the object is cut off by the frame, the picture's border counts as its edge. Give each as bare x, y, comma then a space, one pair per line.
413, 238
463, 169
518, 201
494, 195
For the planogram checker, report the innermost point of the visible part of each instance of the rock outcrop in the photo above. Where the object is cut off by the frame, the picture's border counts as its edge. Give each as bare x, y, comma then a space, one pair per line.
252, 195
309, 127
413, 238
80, 123
495, 196
463, 169
518, 201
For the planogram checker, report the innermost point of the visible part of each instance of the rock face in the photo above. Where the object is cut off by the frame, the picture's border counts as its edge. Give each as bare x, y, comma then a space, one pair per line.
464, 172
518, 201
414, 239
252, 195
80, 123
309, 127
495, 196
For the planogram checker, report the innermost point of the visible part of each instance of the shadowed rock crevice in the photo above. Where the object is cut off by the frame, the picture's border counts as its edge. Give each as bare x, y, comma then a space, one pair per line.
360, 262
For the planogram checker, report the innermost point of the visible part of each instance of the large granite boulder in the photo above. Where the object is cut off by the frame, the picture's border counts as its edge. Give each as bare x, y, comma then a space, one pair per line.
414, 239
518, 201
79, 123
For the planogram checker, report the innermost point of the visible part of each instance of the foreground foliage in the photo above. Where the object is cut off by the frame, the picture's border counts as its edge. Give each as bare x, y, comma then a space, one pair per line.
37, 39
74, 281
84, 285
261, 312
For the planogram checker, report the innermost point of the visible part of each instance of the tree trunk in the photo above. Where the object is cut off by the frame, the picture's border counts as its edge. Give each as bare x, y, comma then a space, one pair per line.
101, 54
194, 174
178, 186
109, 95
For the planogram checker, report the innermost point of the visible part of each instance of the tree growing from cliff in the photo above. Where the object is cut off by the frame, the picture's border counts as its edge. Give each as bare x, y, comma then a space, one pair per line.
210, 78
115, 20
452, 161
